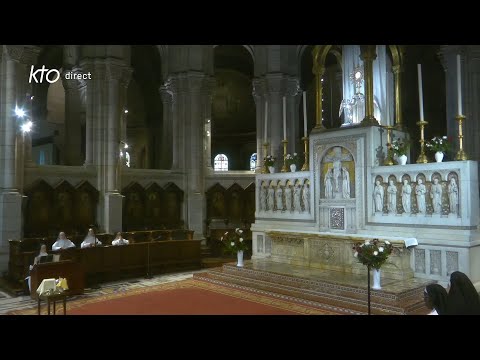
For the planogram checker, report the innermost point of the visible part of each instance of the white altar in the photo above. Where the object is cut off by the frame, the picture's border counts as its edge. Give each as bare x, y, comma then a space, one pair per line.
348, 195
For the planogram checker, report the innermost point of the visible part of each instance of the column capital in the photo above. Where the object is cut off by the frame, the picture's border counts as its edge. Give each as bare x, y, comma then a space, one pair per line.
30, 55
397, 69
75, 83
276, 84
318, 70
293, 87
165, 94
258, 88
368, 52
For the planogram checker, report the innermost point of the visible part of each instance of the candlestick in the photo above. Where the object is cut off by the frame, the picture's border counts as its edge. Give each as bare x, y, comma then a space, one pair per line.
422, 158
284, 168
305, 166
389, 159
304, 114
420, 91
266, 121
265, 152
461, 155
459, 85
284, 118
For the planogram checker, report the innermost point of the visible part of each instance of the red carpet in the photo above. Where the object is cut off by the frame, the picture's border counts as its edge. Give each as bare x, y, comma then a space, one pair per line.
187, 297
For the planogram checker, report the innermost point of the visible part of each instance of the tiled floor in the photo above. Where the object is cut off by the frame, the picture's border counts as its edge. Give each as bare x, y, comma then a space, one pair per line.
9, 303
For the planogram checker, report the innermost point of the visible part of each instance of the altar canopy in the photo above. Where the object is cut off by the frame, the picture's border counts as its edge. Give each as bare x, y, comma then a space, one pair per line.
353, 102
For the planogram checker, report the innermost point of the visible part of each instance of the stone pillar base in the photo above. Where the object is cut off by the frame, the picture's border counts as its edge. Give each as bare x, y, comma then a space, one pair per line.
113, 212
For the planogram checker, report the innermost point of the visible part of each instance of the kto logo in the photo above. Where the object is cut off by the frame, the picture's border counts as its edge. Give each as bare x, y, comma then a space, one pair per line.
52, 75
48, 75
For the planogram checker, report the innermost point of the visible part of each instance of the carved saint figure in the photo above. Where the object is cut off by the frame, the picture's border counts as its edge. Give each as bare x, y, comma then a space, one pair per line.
337, 178
279, 197
271, 198
378, 194
436, 196
420, 192
306, 197
406, 196
263, 198
453, 195
392, 197
296, 197
288, 197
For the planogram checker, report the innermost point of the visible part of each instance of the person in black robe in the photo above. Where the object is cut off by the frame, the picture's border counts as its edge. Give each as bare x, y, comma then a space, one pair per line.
435, 297
463, 298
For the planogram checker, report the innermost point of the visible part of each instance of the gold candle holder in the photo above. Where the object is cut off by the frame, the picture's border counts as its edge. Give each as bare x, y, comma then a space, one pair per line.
265, 153
305, 166
389, 159
284, 168
422, 158
461, 155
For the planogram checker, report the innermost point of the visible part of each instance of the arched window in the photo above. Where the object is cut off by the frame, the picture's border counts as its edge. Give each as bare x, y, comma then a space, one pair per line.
220, 163
253, 162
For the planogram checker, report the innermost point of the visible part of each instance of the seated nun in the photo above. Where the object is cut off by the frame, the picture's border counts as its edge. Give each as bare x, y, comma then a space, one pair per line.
62, 242
119, 240
43, 252
90, 240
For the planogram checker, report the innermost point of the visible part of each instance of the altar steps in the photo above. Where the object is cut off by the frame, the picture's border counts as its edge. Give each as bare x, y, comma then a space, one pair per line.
325, 289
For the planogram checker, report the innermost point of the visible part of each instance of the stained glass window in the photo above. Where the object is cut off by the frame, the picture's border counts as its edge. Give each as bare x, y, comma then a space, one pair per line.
253, 162
220, 163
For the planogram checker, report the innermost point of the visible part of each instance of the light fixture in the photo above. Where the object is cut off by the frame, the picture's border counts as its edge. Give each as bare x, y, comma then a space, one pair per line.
27, 127
31, 97
19, 112
126, 111
125, 146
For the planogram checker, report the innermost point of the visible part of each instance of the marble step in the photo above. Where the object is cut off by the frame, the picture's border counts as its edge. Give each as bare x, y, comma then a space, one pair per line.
337, 295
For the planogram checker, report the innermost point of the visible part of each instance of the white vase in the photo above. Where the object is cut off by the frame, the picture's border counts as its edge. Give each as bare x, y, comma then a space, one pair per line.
376, 279
293, 167
439, 156
402, 159
271, 169
240, 258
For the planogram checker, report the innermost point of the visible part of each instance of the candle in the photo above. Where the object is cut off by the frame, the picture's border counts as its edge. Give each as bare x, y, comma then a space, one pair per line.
459, 85
284, 118
420, 91
304, 114
266, 121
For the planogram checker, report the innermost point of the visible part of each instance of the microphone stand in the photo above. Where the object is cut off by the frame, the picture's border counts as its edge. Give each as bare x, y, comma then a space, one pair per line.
368, 296
148, 276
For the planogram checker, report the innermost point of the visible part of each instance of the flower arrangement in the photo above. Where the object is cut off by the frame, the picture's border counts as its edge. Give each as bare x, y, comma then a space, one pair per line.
371, 254
399, 146
438, 144
269, 160
233, 241
292, 159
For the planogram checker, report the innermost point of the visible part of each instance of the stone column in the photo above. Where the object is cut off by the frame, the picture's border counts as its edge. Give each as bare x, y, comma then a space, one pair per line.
293, 94
73, 107
117, 78
167, 143
368, 55
10, 197
275, 90
88, 66
190, 91
258, 93
177, 89
194, 133
397, 73
208, 94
